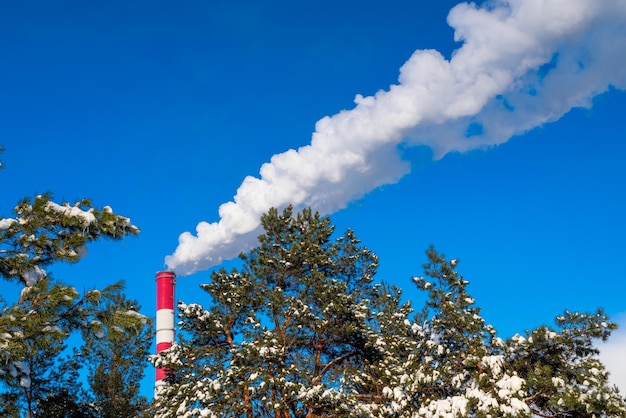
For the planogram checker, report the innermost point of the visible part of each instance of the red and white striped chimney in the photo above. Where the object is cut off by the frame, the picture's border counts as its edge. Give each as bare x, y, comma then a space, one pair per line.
165, 282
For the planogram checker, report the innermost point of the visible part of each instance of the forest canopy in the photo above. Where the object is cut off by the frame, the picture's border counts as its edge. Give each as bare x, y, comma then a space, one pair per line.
303, 329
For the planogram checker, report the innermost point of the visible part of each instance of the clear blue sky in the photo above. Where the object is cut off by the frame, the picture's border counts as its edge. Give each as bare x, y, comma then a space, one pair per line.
161, 111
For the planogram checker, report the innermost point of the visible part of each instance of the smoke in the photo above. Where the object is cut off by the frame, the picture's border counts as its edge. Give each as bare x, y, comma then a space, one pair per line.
612, 354
522, 63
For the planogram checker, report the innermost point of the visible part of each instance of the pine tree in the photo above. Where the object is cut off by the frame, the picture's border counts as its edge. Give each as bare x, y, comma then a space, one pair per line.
456, 366
302, 330
34, 331
38, 324
64, 405
288, 322
43, 232
115, 362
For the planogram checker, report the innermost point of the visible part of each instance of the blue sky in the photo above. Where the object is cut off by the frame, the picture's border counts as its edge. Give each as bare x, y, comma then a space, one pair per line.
161, 112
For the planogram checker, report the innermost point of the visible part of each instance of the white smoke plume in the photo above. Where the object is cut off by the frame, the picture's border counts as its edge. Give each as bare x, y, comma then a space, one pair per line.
612, 354
522, 63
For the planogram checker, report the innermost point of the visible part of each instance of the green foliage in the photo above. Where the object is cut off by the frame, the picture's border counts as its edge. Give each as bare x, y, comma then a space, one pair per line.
44, 232
561, 368
36, 328
287, 322
9, 405
63, 404
115, 361
34, 331
302, 330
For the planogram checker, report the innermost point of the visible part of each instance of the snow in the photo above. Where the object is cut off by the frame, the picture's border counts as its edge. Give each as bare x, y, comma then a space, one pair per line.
510, 385
25, 381
86, 216
494, 363
445, 408
515, 407
22, 367
25, 291
137, 315
82, 251
31, 277
6, 223
52, 329
97, 328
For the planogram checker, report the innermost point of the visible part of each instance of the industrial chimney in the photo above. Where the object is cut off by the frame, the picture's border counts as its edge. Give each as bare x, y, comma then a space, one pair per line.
165, 282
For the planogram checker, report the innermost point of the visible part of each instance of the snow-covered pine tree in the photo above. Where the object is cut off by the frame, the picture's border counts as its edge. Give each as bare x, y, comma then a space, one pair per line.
34, 330
115, 361
42, 232
281, 333
302, 331
456, 366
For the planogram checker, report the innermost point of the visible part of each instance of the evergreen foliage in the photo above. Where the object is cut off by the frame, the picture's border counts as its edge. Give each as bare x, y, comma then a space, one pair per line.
115, 361
37, 379
302, 330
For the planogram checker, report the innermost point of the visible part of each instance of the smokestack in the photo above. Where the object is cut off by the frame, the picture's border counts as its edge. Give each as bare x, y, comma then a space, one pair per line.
165, 282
